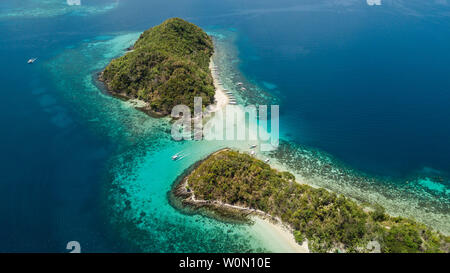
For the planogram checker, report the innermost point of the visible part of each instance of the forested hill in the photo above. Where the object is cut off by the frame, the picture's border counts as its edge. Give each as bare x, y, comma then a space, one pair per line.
329, 222
169, 65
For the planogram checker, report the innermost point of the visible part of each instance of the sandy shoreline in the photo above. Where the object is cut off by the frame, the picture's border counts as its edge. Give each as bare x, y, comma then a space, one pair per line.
280, 237
275, 235
220, 96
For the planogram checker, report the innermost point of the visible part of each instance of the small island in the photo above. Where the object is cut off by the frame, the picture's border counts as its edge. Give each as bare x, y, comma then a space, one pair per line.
167, 66
238, 183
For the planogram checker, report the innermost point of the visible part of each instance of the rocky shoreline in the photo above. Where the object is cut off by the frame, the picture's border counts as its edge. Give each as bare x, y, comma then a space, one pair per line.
373, 225
137, 104
182, 197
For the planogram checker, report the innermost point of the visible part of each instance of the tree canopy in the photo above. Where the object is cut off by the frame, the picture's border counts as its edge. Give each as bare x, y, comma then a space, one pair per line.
169, 65
329, 221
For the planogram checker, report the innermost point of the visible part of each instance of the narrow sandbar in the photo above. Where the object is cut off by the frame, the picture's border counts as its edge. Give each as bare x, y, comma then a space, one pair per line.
220, 95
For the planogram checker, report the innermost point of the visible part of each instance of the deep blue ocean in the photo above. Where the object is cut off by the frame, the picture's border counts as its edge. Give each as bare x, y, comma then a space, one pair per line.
367, 85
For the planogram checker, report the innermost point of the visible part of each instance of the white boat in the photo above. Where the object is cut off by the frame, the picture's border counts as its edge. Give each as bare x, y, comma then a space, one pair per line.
176, 156
267, 160
32, 60
232, 103
239, 83
252, 153
253, 146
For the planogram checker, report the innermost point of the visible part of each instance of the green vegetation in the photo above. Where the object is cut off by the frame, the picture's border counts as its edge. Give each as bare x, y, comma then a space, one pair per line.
330, 222
169, 65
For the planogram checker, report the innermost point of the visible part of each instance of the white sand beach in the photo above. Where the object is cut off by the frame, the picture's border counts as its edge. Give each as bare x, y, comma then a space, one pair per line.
220, 96
279, 237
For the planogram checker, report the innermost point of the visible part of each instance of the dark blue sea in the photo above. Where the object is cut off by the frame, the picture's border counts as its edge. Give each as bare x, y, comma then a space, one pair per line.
365, 87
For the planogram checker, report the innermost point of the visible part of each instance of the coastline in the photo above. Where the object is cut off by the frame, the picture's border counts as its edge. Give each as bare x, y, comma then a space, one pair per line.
270, 228
133, 102
221, 99
136, 196
280, 236
319, 170
226, 198
164, 68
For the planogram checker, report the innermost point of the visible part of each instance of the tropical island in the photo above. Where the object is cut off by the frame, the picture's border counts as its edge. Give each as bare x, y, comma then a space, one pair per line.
238, 183
170, 64
167, 66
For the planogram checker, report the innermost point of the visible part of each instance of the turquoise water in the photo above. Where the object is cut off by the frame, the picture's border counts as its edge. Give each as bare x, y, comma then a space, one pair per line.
423, 195
78, 164
52, 8
142, 171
